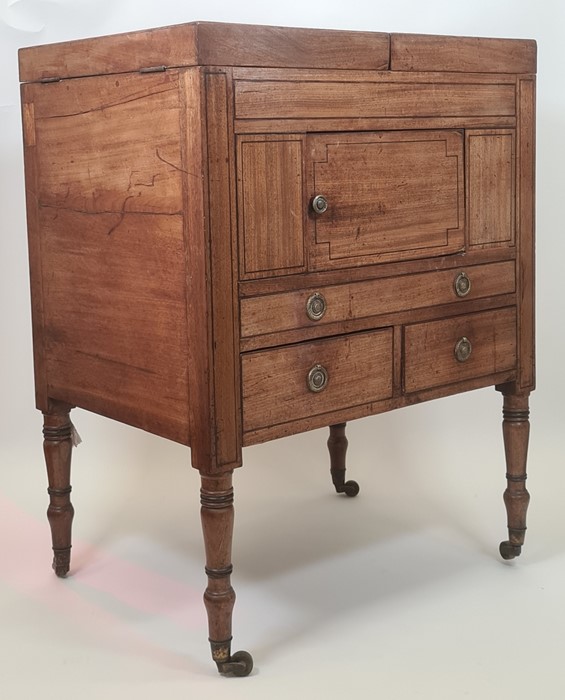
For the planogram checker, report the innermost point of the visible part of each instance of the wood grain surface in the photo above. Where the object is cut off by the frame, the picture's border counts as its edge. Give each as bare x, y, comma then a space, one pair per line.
429, 348
108, 219
274, 313
491, 183
271, 211
207, 43
420, 52
275, 386
391, 196
333, 100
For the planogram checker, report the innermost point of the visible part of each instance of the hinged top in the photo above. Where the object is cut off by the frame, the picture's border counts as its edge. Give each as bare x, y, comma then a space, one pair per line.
219, 44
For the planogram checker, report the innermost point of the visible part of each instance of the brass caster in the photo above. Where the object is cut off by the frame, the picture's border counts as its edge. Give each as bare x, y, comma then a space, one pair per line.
62, 562
509, 550
350, 488
239, 664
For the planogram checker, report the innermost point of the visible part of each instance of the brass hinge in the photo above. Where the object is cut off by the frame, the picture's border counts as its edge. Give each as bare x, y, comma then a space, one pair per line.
153, 69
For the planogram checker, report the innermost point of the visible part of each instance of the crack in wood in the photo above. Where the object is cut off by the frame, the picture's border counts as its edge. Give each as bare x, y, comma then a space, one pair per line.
102, 108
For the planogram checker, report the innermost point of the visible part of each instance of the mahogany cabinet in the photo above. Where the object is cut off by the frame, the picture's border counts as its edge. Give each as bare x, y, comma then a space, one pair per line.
238, 233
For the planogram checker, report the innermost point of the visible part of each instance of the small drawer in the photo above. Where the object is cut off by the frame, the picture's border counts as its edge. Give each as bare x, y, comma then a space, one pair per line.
309, 379
285, 311
444, 352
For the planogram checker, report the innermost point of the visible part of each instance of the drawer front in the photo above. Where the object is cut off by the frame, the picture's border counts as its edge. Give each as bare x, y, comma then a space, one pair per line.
309, 379
264, 99
386, 196
444, 352
304, 308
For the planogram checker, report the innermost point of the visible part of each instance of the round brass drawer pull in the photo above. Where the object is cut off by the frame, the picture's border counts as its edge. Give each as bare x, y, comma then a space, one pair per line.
317, 379
319, 204
316, 306
463, 349
462, 285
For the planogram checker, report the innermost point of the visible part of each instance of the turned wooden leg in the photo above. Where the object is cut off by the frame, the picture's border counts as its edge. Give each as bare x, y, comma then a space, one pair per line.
217, 515
337, 445
57, 446
516, 431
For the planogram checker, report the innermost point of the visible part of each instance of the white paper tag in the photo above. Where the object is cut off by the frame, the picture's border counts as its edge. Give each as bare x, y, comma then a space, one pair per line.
75, 437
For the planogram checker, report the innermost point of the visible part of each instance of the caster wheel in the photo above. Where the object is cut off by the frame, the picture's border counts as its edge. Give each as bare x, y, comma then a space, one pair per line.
509, 551
351, 488
240, 664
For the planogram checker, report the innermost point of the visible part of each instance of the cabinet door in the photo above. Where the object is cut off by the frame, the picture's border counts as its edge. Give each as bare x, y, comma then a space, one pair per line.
384, 196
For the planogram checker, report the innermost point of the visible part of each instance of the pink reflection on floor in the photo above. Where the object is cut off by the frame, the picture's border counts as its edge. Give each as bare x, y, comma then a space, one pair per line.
25, 566
145, 590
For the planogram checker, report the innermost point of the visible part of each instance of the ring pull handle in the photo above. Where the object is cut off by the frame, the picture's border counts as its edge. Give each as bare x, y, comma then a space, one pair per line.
316, 306
462, 285
463, 349
317, 379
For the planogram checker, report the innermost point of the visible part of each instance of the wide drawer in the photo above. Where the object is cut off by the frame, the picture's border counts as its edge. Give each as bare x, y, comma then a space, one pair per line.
304, 308
282, 99
460, 348
309, 379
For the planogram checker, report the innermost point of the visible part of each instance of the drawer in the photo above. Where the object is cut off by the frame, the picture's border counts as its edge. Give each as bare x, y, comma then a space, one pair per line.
281, 99
309, 379
460, 348
304, 308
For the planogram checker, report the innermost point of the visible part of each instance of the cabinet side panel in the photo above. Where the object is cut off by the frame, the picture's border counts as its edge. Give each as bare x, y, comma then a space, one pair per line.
110, 230
526, 227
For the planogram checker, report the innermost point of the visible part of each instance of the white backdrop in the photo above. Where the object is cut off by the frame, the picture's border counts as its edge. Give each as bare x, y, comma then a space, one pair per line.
418, 450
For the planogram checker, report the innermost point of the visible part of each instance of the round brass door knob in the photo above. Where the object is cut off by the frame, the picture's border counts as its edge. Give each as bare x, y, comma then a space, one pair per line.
463, 349
317, 378
319, 204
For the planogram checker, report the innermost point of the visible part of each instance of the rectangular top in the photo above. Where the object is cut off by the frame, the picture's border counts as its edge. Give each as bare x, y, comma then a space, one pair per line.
421, 52
220, 44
